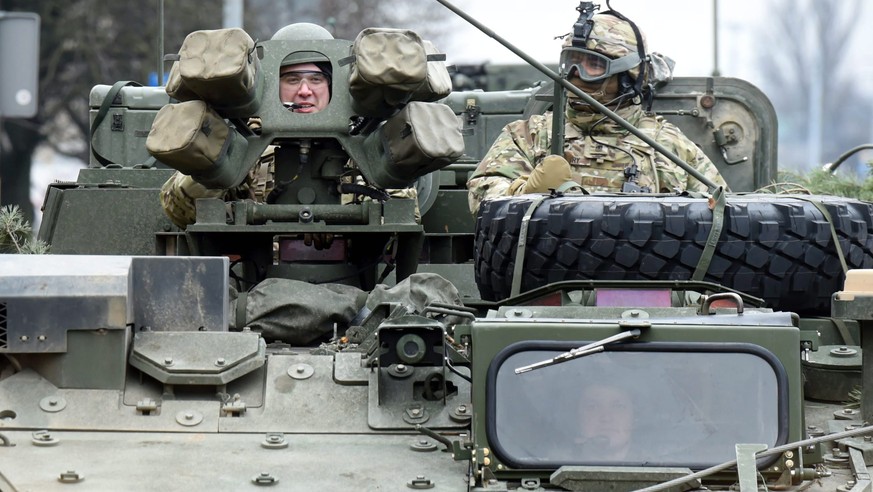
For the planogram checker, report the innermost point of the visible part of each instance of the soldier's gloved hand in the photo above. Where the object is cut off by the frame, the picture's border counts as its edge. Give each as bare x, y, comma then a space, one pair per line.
321, 240
179, 195
255, 124
551, 174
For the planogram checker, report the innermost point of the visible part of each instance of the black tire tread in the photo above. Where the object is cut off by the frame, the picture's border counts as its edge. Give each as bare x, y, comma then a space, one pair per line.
777, 247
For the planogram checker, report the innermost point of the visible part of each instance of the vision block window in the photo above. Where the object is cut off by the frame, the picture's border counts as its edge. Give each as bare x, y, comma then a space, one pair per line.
638, 405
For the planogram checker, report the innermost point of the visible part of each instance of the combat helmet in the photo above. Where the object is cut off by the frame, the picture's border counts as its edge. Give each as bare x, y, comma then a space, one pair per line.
605, 45
305, 31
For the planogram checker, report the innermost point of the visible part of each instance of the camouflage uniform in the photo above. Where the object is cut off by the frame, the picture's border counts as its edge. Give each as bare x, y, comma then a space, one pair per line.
594, 159
597, 149
180, 192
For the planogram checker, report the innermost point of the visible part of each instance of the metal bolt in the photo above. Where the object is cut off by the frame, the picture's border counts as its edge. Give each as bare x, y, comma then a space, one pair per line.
420, 482
70, 476
220, 361
301, 369
789, 454
274, 441
264, 479
462, 408
416, 411
189, 416
168, 361
868, 438
23, 338
401, 368
41, 338
635, 314
53, 402
43, 438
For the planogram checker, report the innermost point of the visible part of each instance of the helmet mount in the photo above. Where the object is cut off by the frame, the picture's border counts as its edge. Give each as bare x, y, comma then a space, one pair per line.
621, 50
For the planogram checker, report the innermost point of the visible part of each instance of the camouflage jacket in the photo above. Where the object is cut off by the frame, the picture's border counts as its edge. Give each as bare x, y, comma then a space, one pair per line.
597, 157
180, 192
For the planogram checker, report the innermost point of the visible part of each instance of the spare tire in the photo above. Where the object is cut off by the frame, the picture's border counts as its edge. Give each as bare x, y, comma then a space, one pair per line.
776, 247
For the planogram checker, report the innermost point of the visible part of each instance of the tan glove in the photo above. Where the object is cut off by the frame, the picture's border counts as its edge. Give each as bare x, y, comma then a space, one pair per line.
178, 197
553, 172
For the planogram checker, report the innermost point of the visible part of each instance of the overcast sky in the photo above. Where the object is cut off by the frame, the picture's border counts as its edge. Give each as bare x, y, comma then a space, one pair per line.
680, 29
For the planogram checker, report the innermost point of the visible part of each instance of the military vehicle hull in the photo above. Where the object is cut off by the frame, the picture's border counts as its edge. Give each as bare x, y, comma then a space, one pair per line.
125, 365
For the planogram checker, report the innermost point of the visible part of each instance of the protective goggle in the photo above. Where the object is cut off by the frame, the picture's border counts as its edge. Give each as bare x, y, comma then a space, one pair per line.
312, 78
591, 66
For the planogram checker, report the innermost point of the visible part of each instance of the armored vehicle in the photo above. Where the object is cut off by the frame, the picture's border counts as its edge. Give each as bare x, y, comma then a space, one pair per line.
613, 341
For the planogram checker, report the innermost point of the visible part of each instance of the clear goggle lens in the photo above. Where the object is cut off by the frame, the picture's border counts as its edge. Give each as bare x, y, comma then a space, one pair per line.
298, 77
591, 66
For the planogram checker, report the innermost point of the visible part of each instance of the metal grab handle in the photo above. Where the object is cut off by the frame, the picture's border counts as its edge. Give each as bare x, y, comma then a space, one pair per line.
706, 305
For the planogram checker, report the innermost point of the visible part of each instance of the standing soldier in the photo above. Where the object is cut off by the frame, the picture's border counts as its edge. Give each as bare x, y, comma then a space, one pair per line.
606, 57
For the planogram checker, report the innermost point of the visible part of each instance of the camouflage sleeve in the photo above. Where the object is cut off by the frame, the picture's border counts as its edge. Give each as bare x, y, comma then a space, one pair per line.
701, 162
410, 193
260, 180
672, 176
180, 193
513, 154
178, 196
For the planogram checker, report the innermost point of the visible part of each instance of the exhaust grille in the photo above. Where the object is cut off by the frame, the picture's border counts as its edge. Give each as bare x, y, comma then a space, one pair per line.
3, 326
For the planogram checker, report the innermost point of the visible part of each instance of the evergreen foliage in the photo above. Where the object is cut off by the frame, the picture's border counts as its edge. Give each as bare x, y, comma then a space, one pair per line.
16, 233
820, 182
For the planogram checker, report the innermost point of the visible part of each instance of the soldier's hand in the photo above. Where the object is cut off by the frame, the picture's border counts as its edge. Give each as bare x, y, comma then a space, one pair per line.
553, 172
179, 195
255, 124
321, 240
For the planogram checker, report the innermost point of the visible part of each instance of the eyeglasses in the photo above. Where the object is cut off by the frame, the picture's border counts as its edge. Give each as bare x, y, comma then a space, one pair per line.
592, 66
297, 77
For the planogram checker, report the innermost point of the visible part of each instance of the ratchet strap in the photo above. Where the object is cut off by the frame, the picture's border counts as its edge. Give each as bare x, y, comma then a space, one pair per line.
521, 247
719, 202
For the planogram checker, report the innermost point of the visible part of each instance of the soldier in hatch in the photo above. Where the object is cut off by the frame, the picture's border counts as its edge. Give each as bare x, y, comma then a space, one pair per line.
304, 87
609, 62
290, 310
